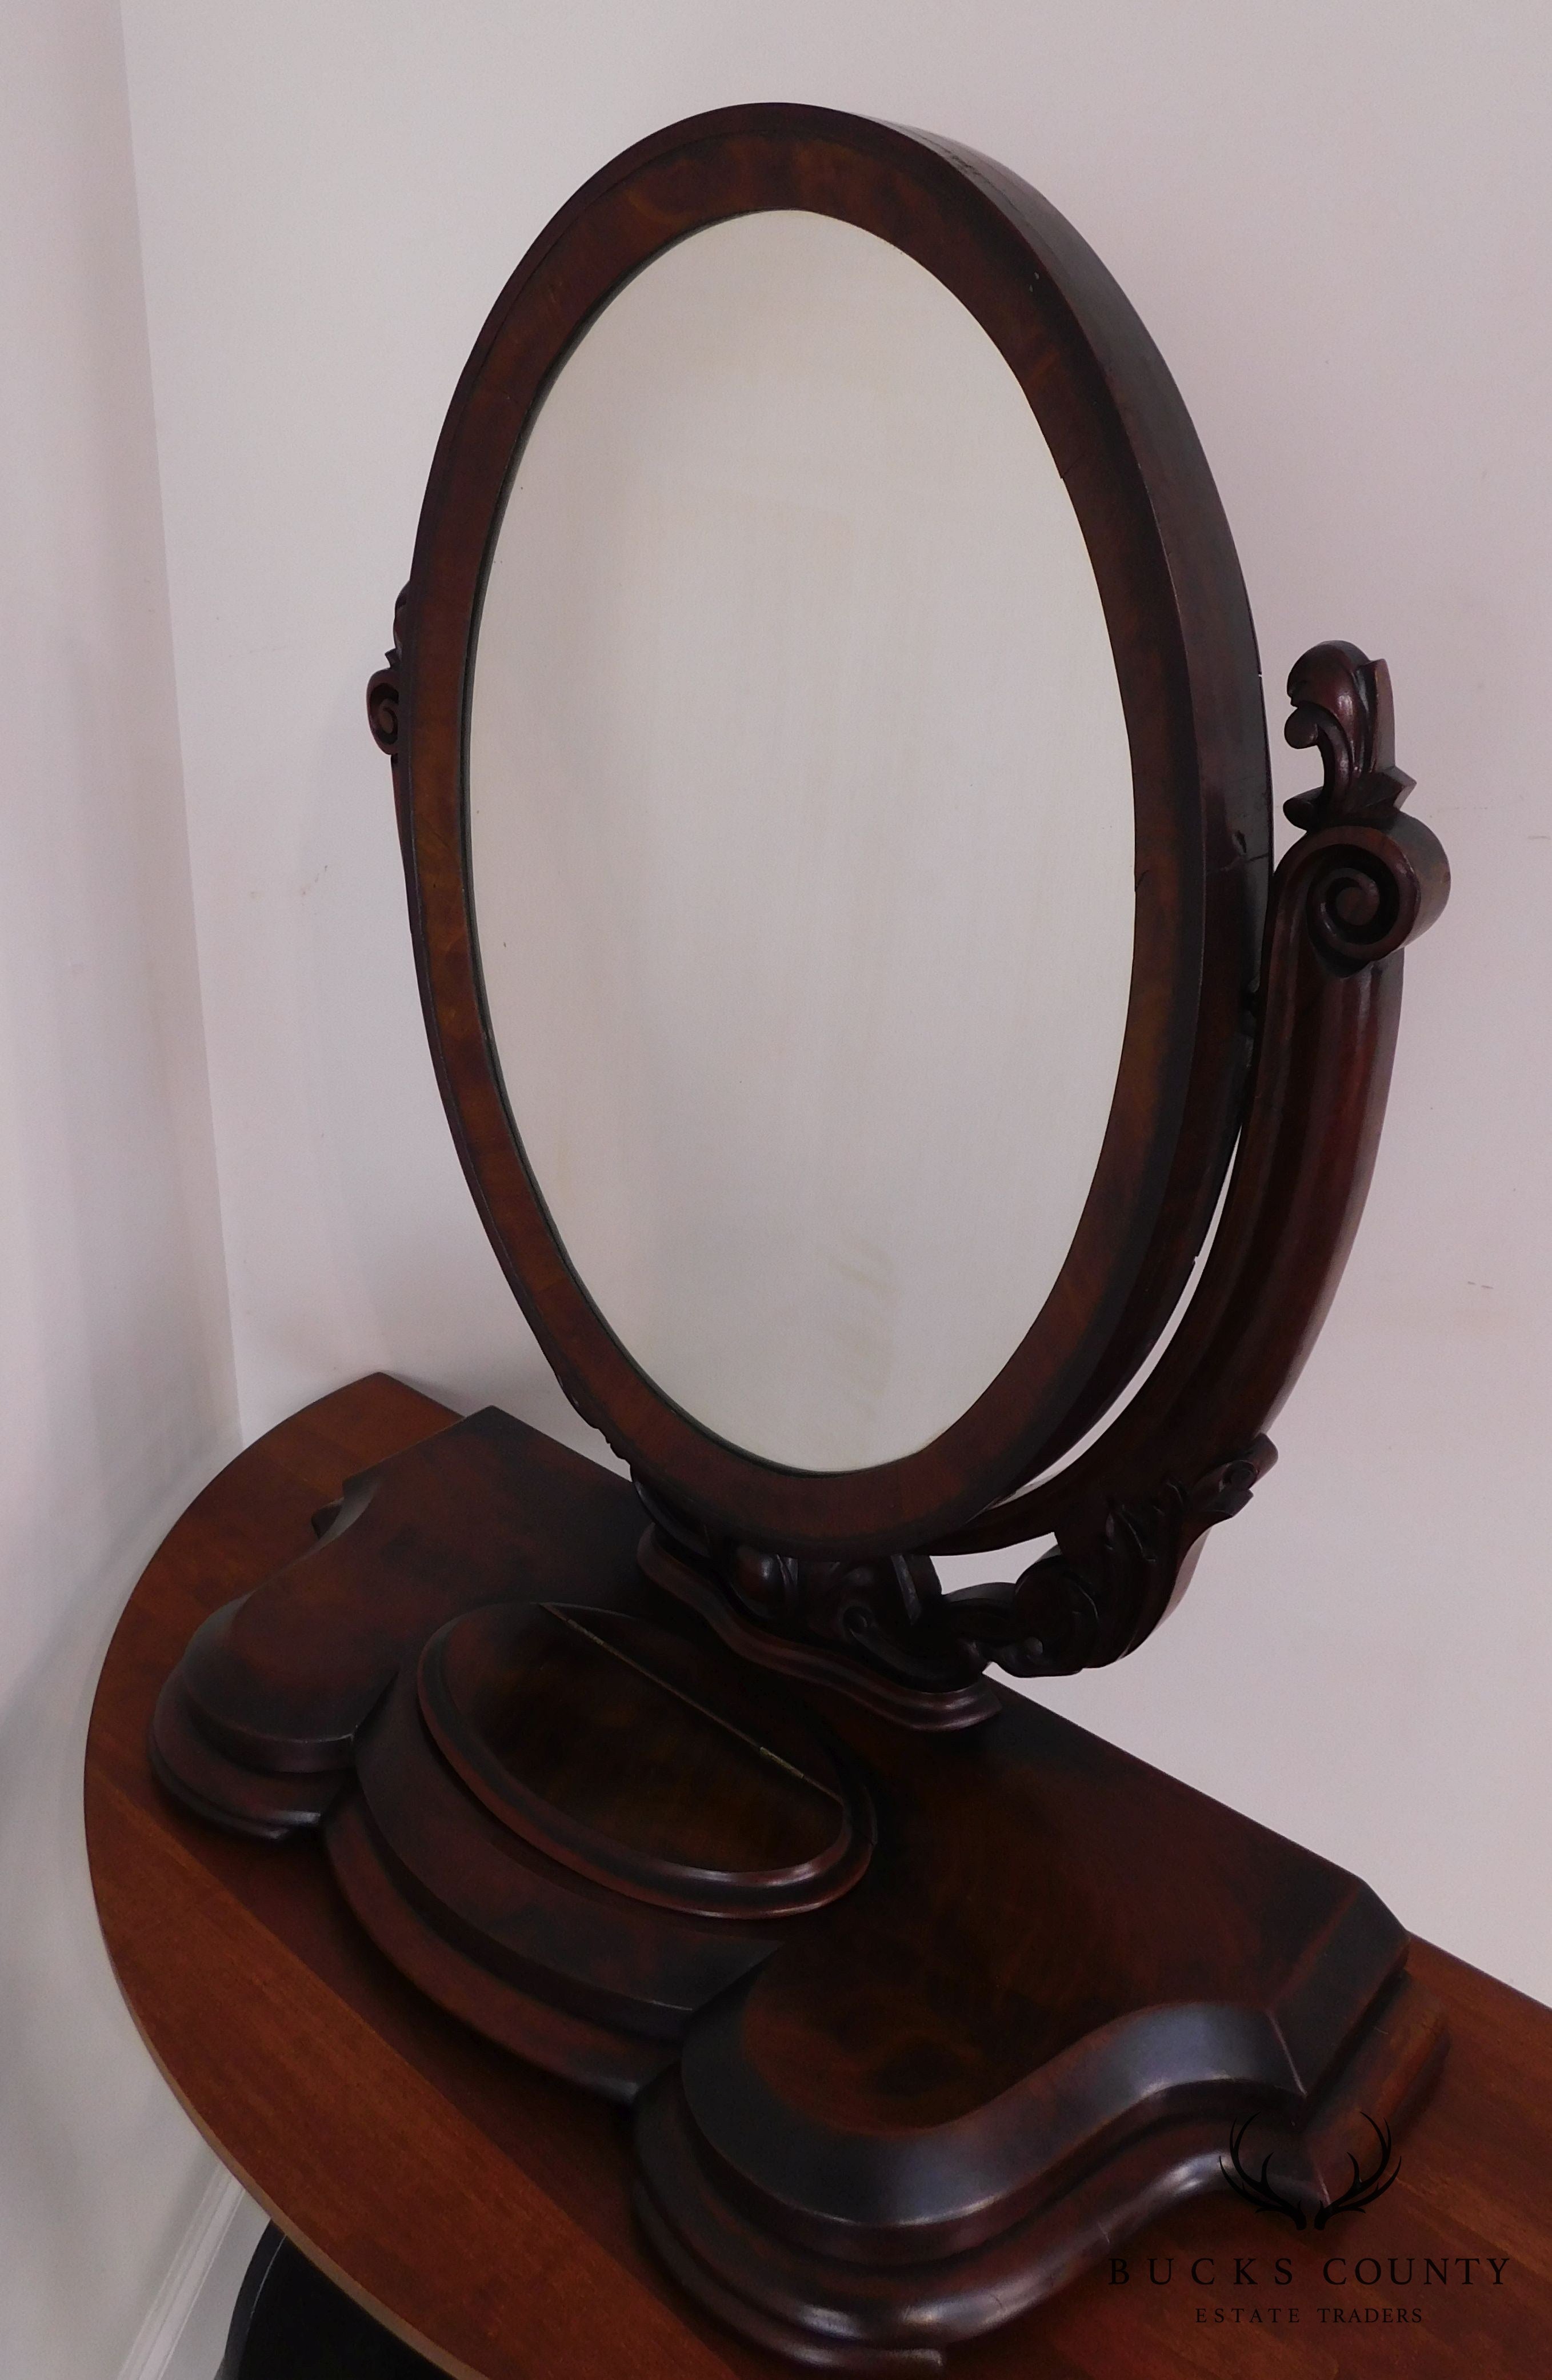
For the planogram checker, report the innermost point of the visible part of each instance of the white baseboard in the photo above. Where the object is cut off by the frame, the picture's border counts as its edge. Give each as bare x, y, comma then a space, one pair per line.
184, 2336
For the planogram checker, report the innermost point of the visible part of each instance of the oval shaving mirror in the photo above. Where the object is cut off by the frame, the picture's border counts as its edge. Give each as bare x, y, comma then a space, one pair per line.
801, 838
831, 772
835, 787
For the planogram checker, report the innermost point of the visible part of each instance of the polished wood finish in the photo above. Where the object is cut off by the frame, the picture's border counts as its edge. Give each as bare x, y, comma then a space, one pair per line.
917, 2022
483, 2209
1189, 678
915, 2025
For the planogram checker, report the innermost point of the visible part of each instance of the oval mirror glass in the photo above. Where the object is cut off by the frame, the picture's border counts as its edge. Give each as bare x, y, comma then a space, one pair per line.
801, 838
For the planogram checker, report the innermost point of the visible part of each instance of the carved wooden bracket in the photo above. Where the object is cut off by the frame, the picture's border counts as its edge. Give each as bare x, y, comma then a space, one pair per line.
876, 1628
1129, 1513
382, 688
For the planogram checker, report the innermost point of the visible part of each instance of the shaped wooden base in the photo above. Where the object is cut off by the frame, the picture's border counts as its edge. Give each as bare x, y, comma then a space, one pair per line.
915, 2025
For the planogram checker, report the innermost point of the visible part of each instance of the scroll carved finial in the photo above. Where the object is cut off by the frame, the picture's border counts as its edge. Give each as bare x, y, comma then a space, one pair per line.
382, 688
1341, 702
1371, 880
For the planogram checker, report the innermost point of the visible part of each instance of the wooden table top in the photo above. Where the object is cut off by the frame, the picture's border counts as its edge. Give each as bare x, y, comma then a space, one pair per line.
482, 2209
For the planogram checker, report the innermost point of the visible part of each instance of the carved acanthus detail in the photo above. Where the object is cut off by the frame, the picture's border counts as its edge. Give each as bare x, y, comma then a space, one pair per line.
1341, 702
1082, 1605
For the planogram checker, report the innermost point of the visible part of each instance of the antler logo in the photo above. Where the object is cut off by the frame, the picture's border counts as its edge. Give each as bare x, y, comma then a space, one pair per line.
1257, 2190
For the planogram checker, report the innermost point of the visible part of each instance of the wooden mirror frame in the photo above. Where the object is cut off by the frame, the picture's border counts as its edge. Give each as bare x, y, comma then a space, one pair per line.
826, 1574
1185, 659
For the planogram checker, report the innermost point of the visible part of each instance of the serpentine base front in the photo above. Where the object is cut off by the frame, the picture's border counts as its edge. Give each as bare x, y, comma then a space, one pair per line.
915, 2027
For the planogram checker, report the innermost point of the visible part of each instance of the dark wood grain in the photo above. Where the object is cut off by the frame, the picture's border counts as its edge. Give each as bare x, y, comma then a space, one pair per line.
655, 1766
1362, 883
485, 2209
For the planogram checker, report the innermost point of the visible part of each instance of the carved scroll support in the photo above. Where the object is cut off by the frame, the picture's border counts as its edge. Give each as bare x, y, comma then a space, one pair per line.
1128, 1514
876, 1628
382, 688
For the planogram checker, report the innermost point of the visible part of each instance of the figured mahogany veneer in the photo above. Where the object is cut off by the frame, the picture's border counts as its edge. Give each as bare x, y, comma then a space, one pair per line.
913, 2025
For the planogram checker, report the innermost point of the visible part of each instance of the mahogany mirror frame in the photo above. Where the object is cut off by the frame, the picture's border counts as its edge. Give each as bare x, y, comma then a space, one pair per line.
1185, 658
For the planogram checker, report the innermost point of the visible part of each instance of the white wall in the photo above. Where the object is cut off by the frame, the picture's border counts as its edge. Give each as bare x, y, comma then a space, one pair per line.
117, 1393
1335, 218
